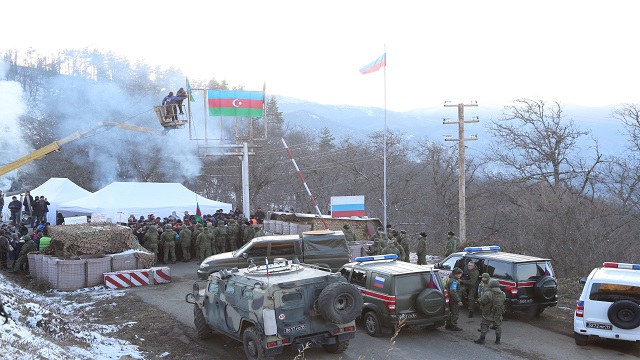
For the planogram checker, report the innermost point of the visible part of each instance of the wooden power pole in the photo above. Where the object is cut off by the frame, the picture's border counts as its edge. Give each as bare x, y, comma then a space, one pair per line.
462, 232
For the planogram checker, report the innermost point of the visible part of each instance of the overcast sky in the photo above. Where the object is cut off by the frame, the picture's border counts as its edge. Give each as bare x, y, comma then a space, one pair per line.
575, 52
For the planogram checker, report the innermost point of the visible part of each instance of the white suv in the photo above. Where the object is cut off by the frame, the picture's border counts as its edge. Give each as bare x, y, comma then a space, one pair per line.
609, 306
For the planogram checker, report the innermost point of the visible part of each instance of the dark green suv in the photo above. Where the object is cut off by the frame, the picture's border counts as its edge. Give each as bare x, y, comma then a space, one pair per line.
396, 290
528, 281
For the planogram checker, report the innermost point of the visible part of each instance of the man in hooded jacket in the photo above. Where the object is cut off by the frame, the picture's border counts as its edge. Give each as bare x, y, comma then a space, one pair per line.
492, 305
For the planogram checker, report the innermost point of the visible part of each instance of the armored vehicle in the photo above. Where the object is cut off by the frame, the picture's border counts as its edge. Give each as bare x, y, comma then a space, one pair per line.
268, 307
323, 247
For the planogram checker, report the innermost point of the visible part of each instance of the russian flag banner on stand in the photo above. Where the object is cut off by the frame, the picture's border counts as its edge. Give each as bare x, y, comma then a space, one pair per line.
347, 206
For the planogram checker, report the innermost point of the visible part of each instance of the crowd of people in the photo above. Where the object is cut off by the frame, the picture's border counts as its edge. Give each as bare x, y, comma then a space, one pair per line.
193, 237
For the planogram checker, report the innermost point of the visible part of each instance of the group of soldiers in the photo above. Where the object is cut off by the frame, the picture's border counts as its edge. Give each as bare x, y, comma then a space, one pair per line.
490, 298
202, 239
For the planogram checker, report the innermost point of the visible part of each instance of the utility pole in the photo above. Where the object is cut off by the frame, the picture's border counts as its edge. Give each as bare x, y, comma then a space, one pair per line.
461, 171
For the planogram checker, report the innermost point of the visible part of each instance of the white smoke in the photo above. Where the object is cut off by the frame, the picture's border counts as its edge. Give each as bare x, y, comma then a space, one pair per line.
12, 144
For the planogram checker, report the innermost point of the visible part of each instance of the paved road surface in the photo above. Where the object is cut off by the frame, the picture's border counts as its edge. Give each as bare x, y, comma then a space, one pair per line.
520, 340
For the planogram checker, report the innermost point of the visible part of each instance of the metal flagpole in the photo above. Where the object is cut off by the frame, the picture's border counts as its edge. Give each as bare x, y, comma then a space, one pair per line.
384, 168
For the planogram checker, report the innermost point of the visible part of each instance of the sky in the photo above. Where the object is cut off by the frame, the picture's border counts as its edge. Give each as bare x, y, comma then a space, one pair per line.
492, 52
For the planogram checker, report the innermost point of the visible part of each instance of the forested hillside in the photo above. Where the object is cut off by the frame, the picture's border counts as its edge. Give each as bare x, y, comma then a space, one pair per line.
538, 191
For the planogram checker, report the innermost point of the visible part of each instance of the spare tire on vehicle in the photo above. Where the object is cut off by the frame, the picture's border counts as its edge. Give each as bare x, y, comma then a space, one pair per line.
430, 302
546, 288
624, 314
340, 302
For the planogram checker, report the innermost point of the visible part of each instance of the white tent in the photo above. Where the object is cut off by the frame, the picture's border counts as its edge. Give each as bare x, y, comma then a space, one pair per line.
56, 190
118, 200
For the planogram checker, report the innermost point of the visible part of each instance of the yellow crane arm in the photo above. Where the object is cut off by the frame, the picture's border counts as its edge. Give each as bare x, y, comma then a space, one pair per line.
55, 146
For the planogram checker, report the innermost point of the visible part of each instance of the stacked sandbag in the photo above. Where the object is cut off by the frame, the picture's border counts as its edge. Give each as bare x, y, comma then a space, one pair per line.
82, 239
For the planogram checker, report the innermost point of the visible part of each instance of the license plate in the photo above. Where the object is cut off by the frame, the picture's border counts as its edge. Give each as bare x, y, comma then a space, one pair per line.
294, 328
525, 301
599, 326
408, 316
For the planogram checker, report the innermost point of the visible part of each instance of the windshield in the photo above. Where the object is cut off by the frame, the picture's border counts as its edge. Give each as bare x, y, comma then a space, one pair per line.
242, 249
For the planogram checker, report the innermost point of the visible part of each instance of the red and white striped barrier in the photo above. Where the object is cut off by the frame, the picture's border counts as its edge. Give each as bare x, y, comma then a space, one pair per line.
161, 275
140, 277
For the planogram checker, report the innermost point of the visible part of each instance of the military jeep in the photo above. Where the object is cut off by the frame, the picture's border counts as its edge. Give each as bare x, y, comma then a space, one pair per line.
270, 306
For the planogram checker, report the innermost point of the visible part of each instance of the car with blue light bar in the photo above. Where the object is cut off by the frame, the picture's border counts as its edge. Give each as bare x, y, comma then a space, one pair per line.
397, 291
609, 305
529, 282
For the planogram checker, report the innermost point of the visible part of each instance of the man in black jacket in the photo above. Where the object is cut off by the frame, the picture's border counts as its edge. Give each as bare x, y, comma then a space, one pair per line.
14, 207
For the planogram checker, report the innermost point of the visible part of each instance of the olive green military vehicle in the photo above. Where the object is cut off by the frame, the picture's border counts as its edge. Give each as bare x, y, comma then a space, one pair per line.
268, 307
326, 248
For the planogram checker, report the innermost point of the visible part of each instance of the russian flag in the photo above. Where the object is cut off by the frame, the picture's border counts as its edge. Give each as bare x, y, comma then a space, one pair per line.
547, 269
379, 282
347, 206
433, 283
375, 65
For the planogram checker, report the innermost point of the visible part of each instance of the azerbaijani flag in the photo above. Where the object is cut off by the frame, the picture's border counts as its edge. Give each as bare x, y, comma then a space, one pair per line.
189, 91
198, 213
375, 65
235, 103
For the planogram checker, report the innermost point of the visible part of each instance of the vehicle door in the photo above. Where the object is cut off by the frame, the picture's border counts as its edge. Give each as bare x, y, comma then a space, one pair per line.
533, 281
214, 314
283, 249
291, 310
447, 265
416, 299
229, 301
503, 272
258, 251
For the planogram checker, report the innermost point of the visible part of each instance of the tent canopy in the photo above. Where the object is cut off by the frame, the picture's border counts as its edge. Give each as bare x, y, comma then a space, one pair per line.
118, 200
56, 190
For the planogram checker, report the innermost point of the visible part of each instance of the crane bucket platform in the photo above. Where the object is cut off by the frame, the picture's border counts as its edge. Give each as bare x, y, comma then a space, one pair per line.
169, 116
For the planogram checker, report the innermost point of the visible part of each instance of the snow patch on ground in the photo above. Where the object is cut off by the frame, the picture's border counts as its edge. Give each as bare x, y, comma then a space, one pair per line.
50, 326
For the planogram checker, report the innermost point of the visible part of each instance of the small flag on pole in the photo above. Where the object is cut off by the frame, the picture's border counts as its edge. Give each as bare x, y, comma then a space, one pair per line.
375, 65
189, 91
198, 213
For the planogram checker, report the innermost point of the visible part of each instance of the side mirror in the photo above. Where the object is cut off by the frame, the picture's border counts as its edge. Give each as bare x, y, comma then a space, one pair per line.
583, 280
193, 297
436, 266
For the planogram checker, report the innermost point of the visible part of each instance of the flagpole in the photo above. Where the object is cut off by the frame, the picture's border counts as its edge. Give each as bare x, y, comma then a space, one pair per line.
384, 168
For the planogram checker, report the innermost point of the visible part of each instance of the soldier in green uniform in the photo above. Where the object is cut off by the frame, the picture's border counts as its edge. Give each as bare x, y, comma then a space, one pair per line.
469, 285
394, 242
421, 251
151, 242
249, 232
348, 233
376, 248
380, 236
185, 243
198, 229
492, 305
404, 242
390, 249
452, 243
204, 244
28, 247
220, 234
259, 231
234, 232
168, 240
455, 299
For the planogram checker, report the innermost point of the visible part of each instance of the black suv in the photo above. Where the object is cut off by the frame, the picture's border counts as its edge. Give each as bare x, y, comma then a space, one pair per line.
529, 282
396, 290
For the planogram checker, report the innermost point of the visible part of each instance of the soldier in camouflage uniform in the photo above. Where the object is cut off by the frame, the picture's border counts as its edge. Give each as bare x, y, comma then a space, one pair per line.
28, 247
234, 233
151, 242
404, 242
348, 233
492, 305
380, 235
203, 242
259, 231
376, 248
249, 232
168, 240
469, 285
394, 242
452, 244
455, 300
421, 250
185, 243
220, 235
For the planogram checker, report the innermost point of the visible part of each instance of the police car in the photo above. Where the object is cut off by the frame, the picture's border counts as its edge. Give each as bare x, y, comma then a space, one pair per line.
609, 306
529, 282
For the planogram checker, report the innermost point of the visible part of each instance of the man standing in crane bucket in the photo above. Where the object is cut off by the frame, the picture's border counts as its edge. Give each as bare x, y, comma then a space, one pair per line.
170, 103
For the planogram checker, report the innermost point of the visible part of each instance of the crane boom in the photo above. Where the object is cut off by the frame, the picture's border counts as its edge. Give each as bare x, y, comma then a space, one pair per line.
55, 146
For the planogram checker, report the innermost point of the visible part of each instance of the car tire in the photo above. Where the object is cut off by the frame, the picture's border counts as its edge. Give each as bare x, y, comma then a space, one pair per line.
581, 340
624, 314
546, 288
337, 348
430, 302
204, 331
372, 324
340, 302
252, 345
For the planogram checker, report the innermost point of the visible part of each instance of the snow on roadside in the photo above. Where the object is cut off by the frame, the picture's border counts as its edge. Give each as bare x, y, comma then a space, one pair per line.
51, 326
